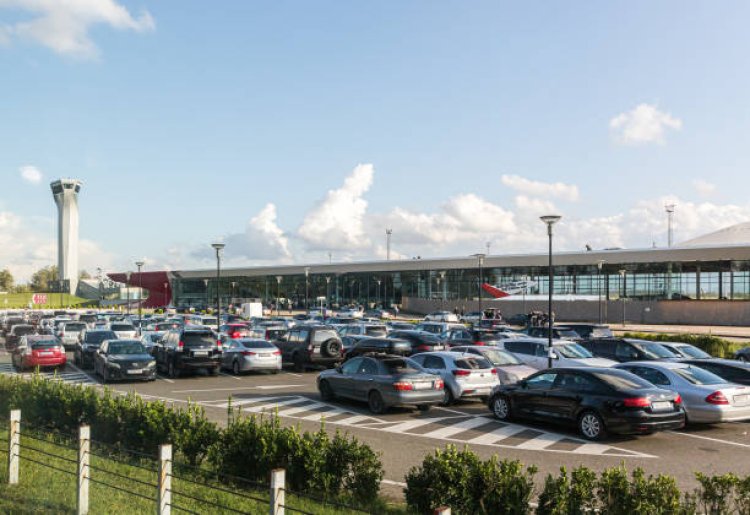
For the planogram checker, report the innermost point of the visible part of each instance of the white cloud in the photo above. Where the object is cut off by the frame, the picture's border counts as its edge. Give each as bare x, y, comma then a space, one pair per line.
541, 189
644, 124
31, 174
263, 239
336, 222
64, 25
704, 188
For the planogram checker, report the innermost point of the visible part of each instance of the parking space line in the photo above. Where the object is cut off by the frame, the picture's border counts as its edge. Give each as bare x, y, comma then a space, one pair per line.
717, 440
93, 380
454, 429
324, 414
412, 424
265, 387
542, 441
298, 409
353, 420
497, 435
228, 375
170, 381
593, 448
273, 405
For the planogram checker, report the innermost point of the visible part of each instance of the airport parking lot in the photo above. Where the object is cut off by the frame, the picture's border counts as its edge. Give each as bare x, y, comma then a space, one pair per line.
404, 436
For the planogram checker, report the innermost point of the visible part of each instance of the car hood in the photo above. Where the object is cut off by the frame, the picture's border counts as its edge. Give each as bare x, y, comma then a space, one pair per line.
129, 358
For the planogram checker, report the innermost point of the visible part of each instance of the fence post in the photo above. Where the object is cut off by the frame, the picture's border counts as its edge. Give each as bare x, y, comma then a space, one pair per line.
84, 448
14, 446
165, 479
443, 510
278, 483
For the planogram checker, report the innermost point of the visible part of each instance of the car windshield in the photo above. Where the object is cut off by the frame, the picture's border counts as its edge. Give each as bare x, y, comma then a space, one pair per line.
473, 363
692, 352
623, 380
257, 344
20, 330
122, 327
654, 350
500, 357
100, 336
126, 348
601, 332
198, 339
573, 350
401, 366
44, 344
375, 331
568, 333
697, 375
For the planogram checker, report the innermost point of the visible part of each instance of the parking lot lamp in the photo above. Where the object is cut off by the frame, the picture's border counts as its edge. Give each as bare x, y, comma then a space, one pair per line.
127, 290
599, 265
205, 284
550, 220
307, 287
622, 294
480, 258
140, 264
328, 288
218, 247
278, 292
378, 280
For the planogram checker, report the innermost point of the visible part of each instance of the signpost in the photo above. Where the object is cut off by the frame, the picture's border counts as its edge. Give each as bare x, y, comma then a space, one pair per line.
39, 298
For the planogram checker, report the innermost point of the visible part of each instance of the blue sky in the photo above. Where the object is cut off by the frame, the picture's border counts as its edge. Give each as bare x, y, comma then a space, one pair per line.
186, 120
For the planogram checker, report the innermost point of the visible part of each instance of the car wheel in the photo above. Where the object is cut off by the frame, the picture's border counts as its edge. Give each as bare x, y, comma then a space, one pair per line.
448, 397
500, 406
326, 392
424, 408
591, 426
375, 403
172, 370
236, 367
299, 363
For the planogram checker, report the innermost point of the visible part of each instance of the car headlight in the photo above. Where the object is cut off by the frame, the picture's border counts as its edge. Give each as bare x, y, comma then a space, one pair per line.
112, 364
151, 364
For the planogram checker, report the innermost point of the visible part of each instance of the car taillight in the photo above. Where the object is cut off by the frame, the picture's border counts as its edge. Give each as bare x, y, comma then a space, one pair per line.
678, 400
717, 398
493, 371
403, 386
636, 402
180, 345
439, 384
248, 353
461, 372
479, 343
277, 353
423, 347
218, 343
236, 334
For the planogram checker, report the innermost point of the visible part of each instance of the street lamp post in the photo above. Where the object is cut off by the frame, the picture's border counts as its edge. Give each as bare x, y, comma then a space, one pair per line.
231, 300
622, 294
278, 292
480, 258
524, 279
140, 264
166, 293
328, 289
442, 291
218, 247
378, 280
127, 290
307, 287
205, 284
550, 220
599, 265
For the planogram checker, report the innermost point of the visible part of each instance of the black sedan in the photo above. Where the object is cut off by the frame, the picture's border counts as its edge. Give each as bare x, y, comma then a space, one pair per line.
595, 400
421, 341
382, 381
380, 345
124, 360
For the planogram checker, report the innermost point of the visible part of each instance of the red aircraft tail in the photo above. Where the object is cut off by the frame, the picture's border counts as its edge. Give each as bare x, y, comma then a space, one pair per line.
494, 291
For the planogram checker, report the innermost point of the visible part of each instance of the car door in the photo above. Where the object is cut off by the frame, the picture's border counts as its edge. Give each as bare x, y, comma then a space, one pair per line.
229, 352
523, 350
364, 380
342, 381
566, 395
530, 398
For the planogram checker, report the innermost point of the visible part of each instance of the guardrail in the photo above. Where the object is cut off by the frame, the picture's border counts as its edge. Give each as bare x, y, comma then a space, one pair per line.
163, 494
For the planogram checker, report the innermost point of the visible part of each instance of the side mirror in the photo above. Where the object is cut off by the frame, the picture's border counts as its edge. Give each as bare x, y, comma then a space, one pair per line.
339, 369
522, 383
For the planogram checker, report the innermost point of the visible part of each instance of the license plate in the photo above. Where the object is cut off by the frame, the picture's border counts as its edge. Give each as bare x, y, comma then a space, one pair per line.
200, 353
741, 400
265, 355
661, 406
135, 371
422, 386
50, 354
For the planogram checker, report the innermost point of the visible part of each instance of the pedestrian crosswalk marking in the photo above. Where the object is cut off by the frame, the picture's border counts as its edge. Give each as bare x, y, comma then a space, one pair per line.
497, 435
65, 377
542, 441
460, 427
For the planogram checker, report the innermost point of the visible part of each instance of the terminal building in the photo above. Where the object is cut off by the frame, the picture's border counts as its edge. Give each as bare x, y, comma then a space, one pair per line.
701, 281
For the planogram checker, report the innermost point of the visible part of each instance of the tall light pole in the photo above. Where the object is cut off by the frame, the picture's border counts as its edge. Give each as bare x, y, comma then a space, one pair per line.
524, 279
234, 284
670, 220
388, 233
328, 289
307, 287
140, 264
278, 292
622, 293
101, 285
218, 247
550, 220
599, 265
127, 290
480, 259
378, 280
442, 292
205, 284
166, 293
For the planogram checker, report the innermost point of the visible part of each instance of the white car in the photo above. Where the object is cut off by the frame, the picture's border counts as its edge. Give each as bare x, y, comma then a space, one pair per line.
123, 330
534, 352
464, 375
441, 316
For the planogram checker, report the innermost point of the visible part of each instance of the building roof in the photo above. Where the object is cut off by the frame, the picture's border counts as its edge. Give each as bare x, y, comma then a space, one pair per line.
733, 235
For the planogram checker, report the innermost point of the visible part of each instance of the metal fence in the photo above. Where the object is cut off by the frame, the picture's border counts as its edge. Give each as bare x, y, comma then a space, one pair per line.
161, 489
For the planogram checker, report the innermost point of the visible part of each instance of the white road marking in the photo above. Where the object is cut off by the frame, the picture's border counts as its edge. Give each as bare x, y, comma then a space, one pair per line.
394, 483
324, 414
242, 402
277, 386
352, 420
273, 405
454, 429
593, 448
542, 441
82, 372
170, 381
411, 424
497, 435
717, 440
298, 409
264, 387
228, 375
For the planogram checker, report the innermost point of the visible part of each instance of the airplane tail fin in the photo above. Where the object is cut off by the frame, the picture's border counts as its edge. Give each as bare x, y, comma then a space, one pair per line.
494, 291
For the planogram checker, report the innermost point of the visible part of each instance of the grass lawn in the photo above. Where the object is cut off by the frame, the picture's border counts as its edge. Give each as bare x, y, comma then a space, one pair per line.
22, 300
43, 489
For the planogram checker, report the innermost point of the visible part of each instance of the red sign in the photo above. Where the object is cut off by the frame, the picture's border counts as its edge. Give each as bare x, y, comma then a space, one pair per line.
39, 298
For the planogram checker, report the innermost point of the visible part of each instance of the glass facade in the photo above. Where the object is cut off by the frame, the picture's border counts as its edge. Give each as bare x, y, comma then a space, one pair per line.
728, 280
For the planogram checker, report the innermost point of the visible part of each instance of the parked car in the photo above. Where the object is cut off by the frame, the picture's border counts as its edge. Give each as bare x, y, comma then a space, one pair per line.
728, 369
743, 354
381, 314
509, 368
16, 333
235, 330
558, 333
123, 330
465, 336
437, 327
392, 346
535, 352
472, 317
627, 349
376, 330
41, 351
124, 360
383, 382
465, 375
591, 330
595, 400
441, 316
686, 350
394, 325
248, 354
519, 319
83, 355
310, 346
707, 398
188, 349
421, 341
151, 338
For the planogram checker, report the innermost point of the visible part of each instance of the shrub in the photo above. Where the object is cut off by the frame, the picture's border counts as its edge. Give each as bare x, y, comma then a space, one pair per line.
461, 480
714, 345
564, 496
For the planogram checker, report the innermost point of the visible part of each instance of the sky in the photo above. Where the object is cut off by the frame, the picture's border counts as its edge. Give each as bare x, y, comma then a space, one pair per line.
294, 129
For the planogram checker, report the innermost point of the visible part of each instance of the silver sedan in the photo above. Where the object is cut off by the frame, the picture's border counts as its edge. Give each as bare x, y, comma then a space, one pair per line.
246, 354
707, 397
509, 368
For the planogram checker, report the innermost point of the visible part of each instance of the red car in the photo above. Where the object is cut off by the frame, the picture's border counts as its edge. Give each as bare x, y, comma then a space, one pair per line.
235, 331
39, 350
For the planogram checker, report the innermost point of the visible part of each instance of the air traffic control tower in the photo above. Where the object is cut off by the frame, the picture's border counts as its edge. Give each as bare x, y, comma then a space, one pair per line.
65, 193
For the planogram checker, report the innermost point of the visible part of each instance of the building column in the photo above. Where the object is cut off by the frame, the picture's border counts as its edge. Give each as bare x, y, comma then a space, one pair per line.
698, 282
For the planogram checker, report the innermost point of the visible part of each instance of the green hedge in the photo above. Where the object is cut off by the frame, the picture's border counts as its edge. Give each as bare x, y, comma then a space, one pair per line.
718, 347
248, 448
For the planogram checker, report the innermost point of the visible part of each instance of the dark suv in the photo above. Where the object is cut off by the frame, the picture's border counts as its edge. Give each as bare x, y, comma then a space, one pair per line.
627, 349
392, 346
83, 355
310, 345
188, 349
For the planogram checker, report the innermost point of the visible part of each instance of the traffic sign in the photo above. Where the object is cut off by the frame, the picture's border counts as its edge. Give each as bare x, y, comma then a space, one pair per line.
39, 298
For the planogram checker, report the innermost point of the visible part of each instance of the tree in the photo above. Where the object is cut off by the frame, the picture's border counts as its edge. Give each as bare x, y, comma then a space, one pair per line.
84, 275
6, 280
44, 279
